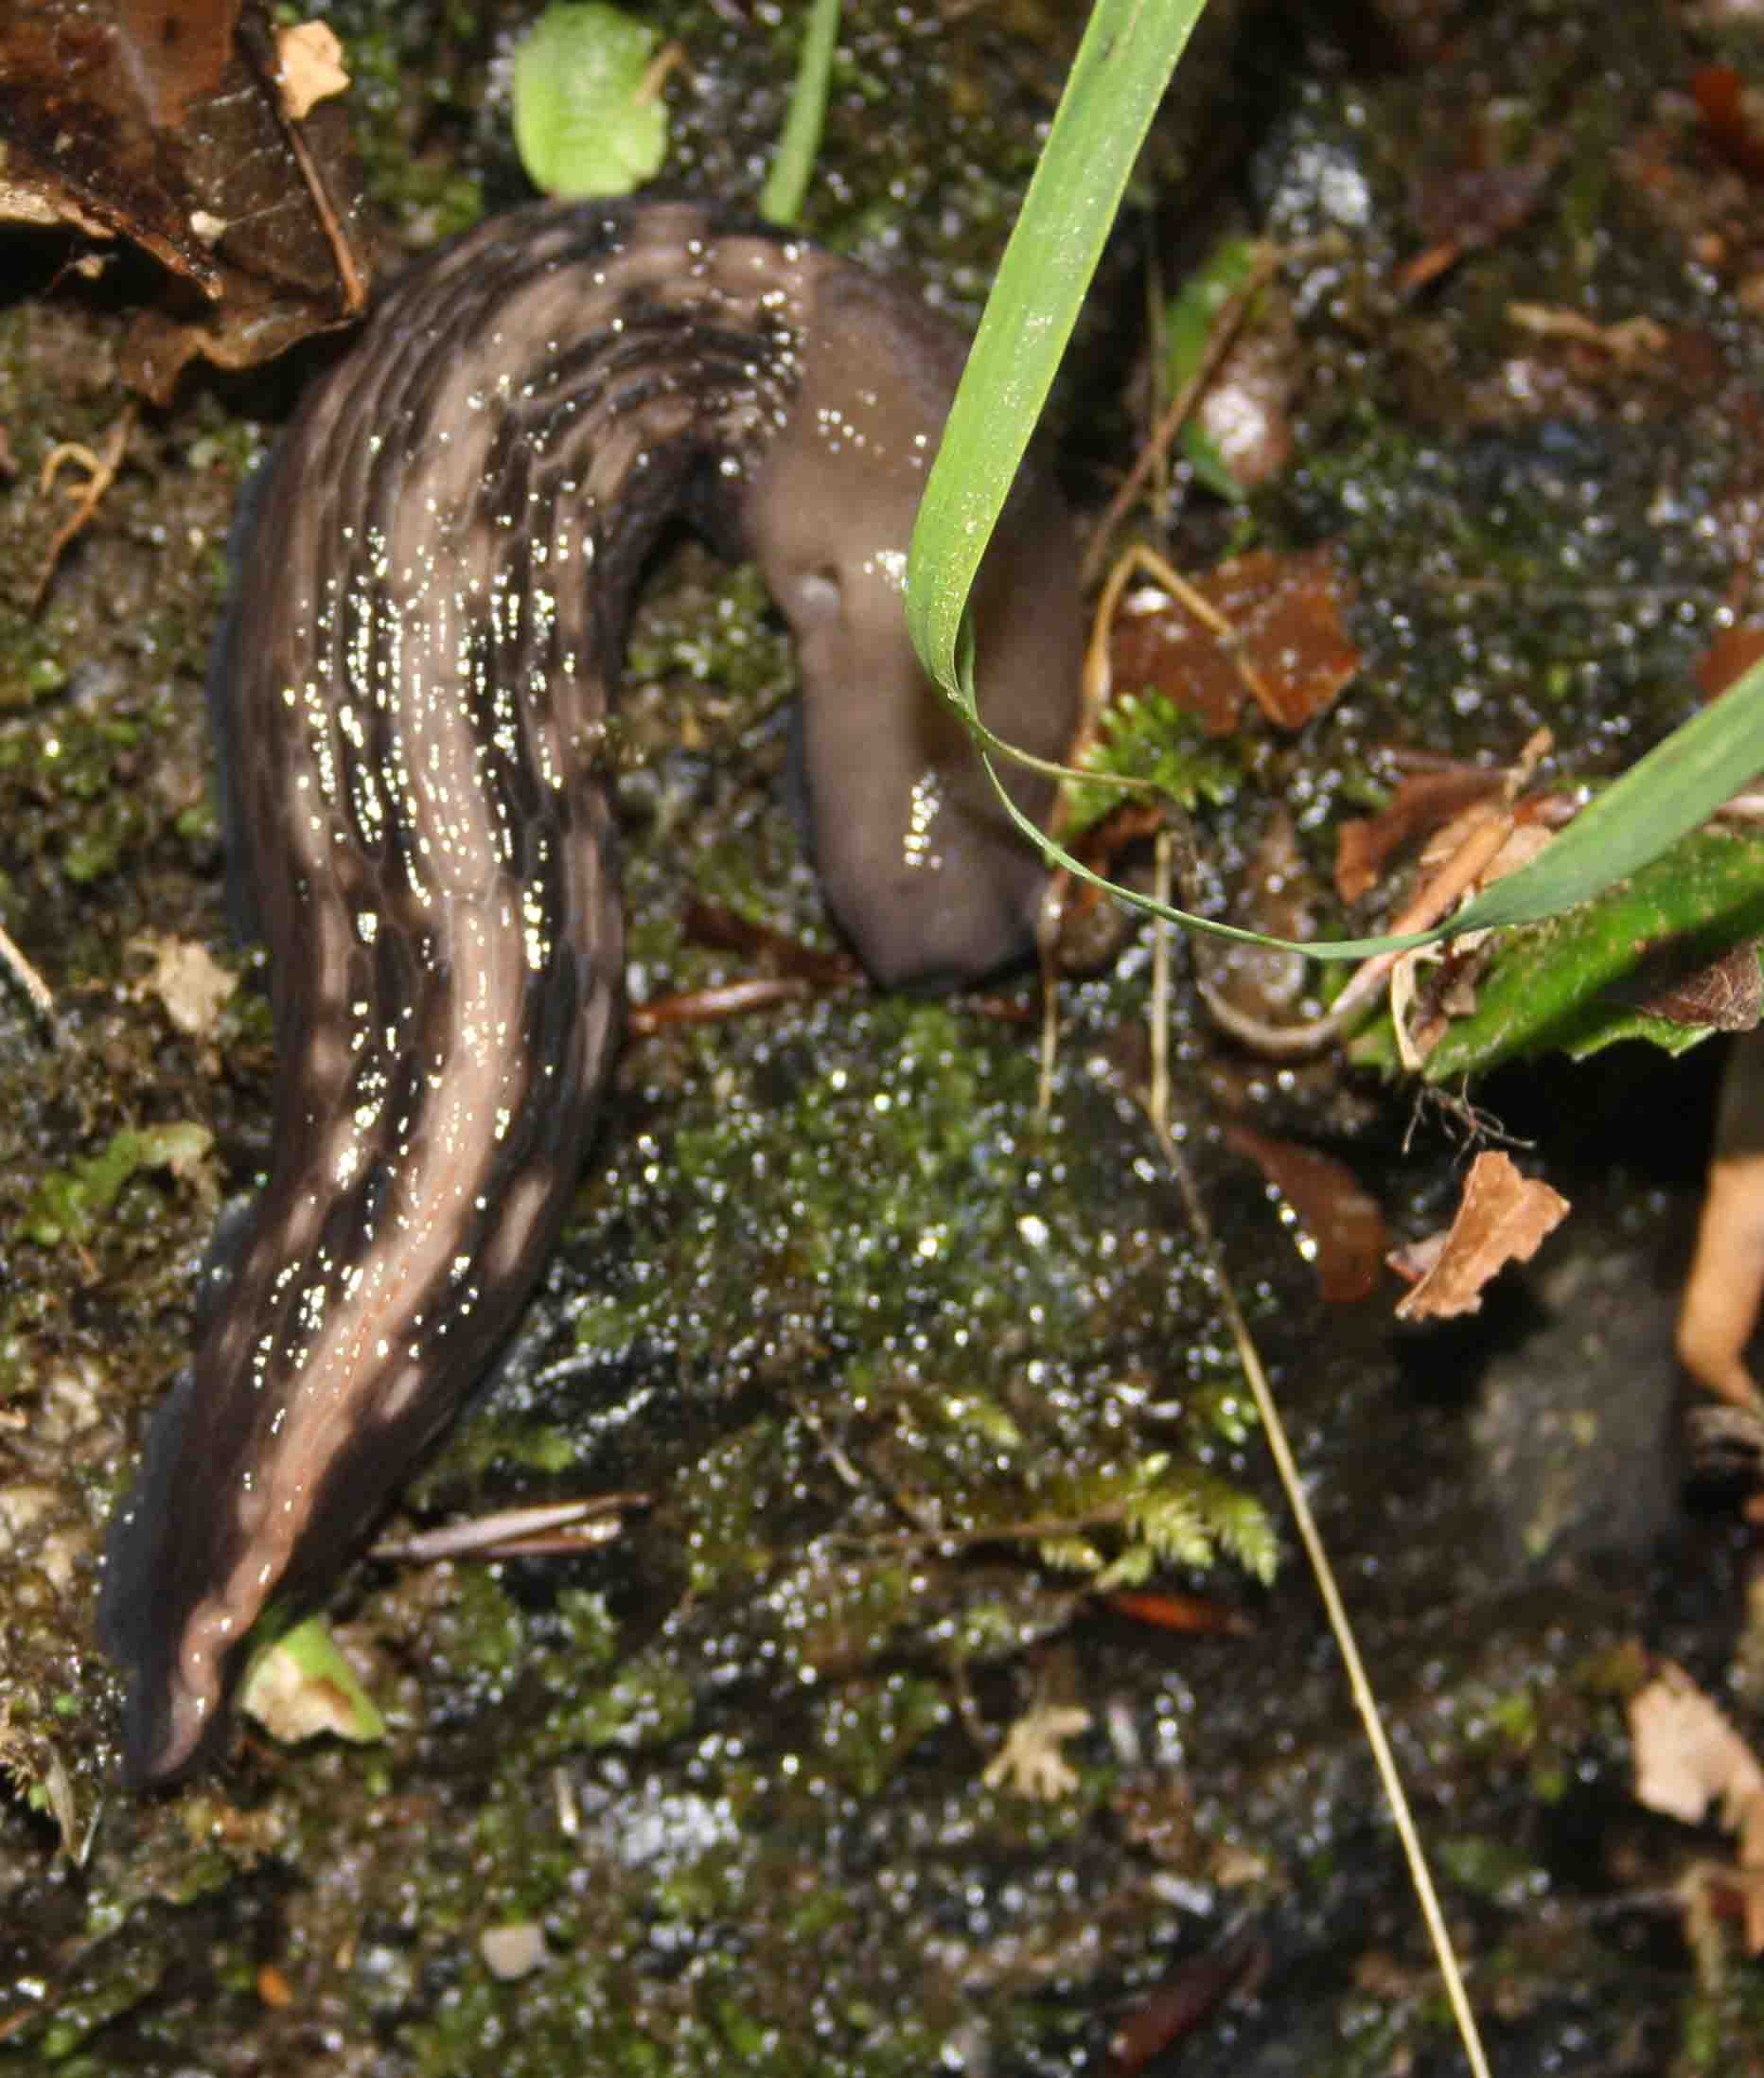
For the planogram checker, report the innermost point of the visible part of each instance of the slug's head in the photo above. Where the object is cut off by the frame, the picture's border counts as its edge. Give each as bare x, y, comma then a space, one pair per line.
923, 866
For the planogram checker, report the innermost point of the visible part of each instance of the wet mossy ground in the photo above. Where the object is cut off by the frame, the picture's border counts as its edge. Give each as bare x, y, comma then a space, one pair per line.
891, 1357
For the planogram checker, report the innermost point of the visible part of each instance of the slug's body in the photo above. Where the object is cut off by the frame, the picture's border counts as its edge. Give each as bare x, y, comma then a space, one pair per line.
410, 700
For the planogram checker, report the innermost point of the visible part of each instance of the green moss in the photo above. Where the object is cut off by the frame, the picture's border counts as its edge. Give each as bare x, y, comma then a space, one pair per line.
1146, 736
486, 1631
29, 669
69, 1204
495, 1440
645, 1704
1498, 1870
729, 1500
869, 1728
80, 776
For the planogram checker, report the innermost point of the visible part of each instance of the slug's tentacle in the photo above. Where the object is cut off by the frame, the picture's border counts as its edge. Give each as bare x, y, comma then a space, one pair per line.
410, 700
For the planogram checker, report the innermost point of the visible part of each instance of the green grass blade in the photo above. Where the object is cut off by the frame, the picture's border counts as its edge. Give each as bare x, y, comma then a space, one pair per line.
781, 198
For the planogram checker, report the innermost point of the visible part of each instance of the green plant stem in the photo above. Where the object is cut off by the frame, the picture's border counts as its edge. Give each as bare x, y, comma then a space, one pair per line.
781, 198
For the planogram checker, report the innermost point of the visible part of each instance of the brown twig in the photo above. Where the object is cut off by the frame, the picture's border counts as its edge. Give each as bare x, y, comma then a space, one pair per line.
1218, 343
27, 978
101, 465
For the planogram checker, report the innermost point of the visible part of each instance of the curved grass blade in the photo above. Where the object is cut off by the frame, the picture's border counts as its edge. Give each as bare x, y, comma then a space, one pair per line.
1664, 796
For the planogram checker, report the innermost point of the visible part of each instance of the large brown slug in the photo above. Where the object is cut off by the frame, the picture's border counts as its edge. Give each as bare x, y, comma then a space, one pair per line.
410, 698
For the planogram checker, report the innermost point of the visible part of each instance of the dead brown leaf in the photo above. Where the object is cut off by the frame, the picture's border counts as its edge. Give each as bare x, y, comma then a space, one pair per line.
1726, 994
1751, 1860
164, 125
1731, 654
1689, 1757
1729, 108
1503, 1217
1424, 803
176, 49
1344, 1226
1627, 338
190, 982
1273, 627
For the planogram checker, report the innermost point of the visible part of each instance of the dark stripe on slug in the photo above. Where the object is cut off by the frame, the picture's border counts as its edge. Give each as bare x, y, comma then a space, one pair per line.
409, 700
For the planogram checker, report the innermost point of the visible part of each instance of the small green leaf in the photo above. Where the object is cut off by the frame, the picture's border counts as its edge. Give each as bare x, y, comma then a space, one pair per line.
301, 1685
585, 120
1241, 1524
1133, 1568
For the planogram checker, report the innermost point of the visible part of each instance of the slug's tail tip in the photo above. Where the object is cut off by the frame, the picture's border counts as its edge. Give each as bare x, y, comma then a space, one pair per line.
167, 1724
166, 1732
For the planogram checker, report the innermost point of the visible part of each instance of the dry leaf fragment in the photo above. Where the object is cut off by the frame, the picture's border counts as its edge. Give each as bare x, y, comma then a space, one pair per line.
1687, 1755
513, 1951
1729, 106
1628, 339
1752, 1862
1503, 1217
309, 68
1195, 1614
274, 1990
1725, 994
1185, 1998
1031, 1761
1423, 804
191, 984
1731, 654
